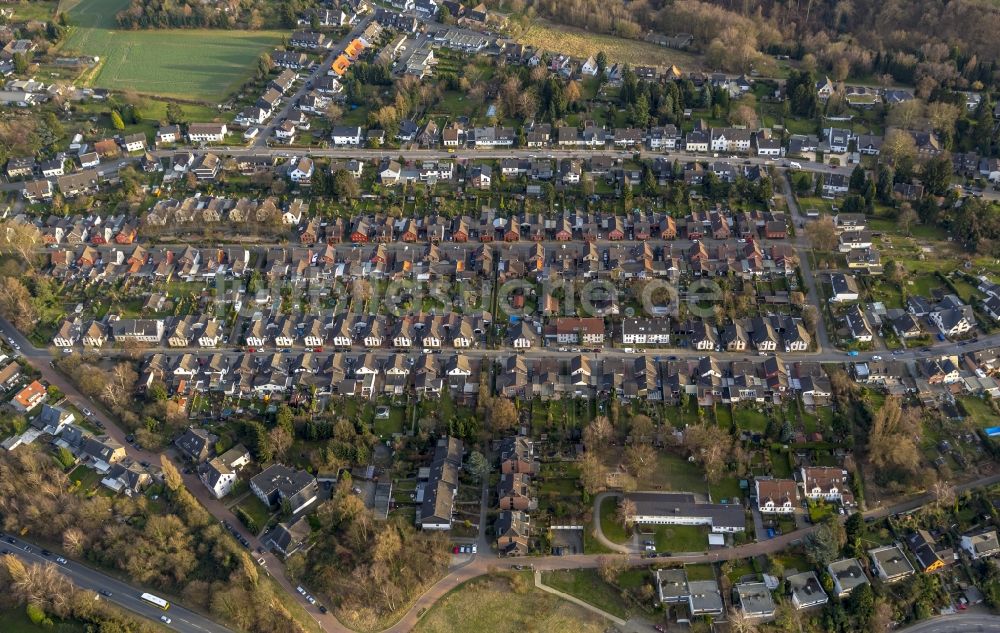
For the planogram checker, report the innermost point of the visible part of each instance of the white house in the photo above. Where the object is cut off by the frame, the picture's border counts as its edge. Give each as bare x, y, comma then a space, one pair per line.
981, 545
777, 496
303, 170
207, 132
346, 135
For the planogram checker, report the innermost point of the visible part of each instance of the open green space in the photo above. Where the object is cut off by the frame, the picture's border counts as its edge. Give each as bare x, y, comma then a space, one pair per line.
749, 419
681, 538
979, 411
579, 43
674, 472
199, 65
609, 524
495, 604
587, 585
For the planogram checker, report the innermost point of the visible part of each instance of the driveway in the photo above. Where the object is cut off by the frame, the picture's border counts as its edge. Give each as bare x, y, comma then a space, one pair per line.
598, 532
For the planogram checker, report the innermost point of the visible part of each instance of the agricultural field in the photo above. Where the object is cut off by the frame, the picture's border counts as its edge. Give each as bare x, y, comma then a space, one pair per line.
495, 604
195, 65
582, 44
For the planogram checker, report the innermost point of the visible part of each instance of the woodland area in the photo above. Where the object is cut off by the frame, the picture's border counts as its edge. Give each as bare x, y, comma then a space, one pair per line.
369, 569
925, 43
47, 597
234, 14
174, 546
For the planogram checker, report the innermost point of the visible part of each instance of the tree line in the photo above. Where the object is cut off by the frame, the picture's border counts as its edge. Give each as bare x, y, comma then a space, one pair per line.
175, 545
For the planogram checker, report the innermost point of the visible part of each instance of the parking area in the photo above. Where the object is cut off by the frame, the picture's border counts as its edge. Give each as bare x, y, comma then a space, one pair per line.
567, 541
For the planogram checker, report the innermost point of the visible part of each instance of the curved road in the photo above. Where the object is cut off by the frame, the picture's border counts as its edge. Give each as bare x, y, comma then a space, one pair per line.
479, 564
958, 623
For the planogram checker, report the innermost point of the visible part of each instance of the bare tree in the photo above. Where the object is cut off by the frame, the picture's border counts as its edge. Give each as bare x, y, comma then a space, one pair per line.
626, 512
640, 459
593, 474
822, 234
19, 239
611, 566
739, 622
597, 432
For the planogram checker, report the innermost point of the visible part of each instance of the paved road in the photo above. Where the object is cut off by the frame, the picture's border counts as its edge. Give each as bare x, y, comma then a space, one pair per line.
39, 358
477, 565
122, 594
958, 623
266, 131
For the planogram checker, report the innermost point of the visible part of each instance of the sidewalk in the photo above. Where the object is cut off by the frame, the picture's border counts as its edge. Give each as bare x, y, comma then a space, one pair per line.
576, 601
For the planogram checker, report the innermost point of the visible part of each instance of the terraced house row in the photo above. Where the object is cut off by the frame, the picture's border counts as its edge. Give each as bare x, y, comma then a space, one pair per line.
504, 261
491, 226
372, 374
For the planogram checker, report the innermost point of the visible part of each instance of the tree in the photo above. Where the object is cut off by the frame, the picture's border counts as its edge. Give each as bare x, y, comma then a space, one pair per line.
858, 179
625, 513
906, 113
610, 566
891, 442
280, 440
175, 113
710, 446
597, 432
116, 120
899, 146
593, 474
907, 217
822, 234
936, 175
640, 459
573, 92
943, 116
739, 622
19, 239
477, 465
171, 477
641, 427
501, 415
345, 185
16, 305
602, 64
822, 546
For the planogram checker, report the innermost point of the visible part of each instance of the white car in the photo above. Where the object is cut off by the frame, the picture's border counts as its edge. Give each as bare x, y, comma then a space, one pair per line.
165, 619
61, 560
300, 590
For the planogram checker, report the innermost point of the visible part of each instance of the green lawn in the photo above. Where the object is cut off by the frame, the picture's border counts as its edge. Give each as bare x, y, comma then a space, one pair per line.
492, 603
256, 511
200, 65
681, 538
818, 512
979, 411
673, 472
701, 571
588, 586
750, 419
16, 621
88, 477
392, 424
728, 488
609, 524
